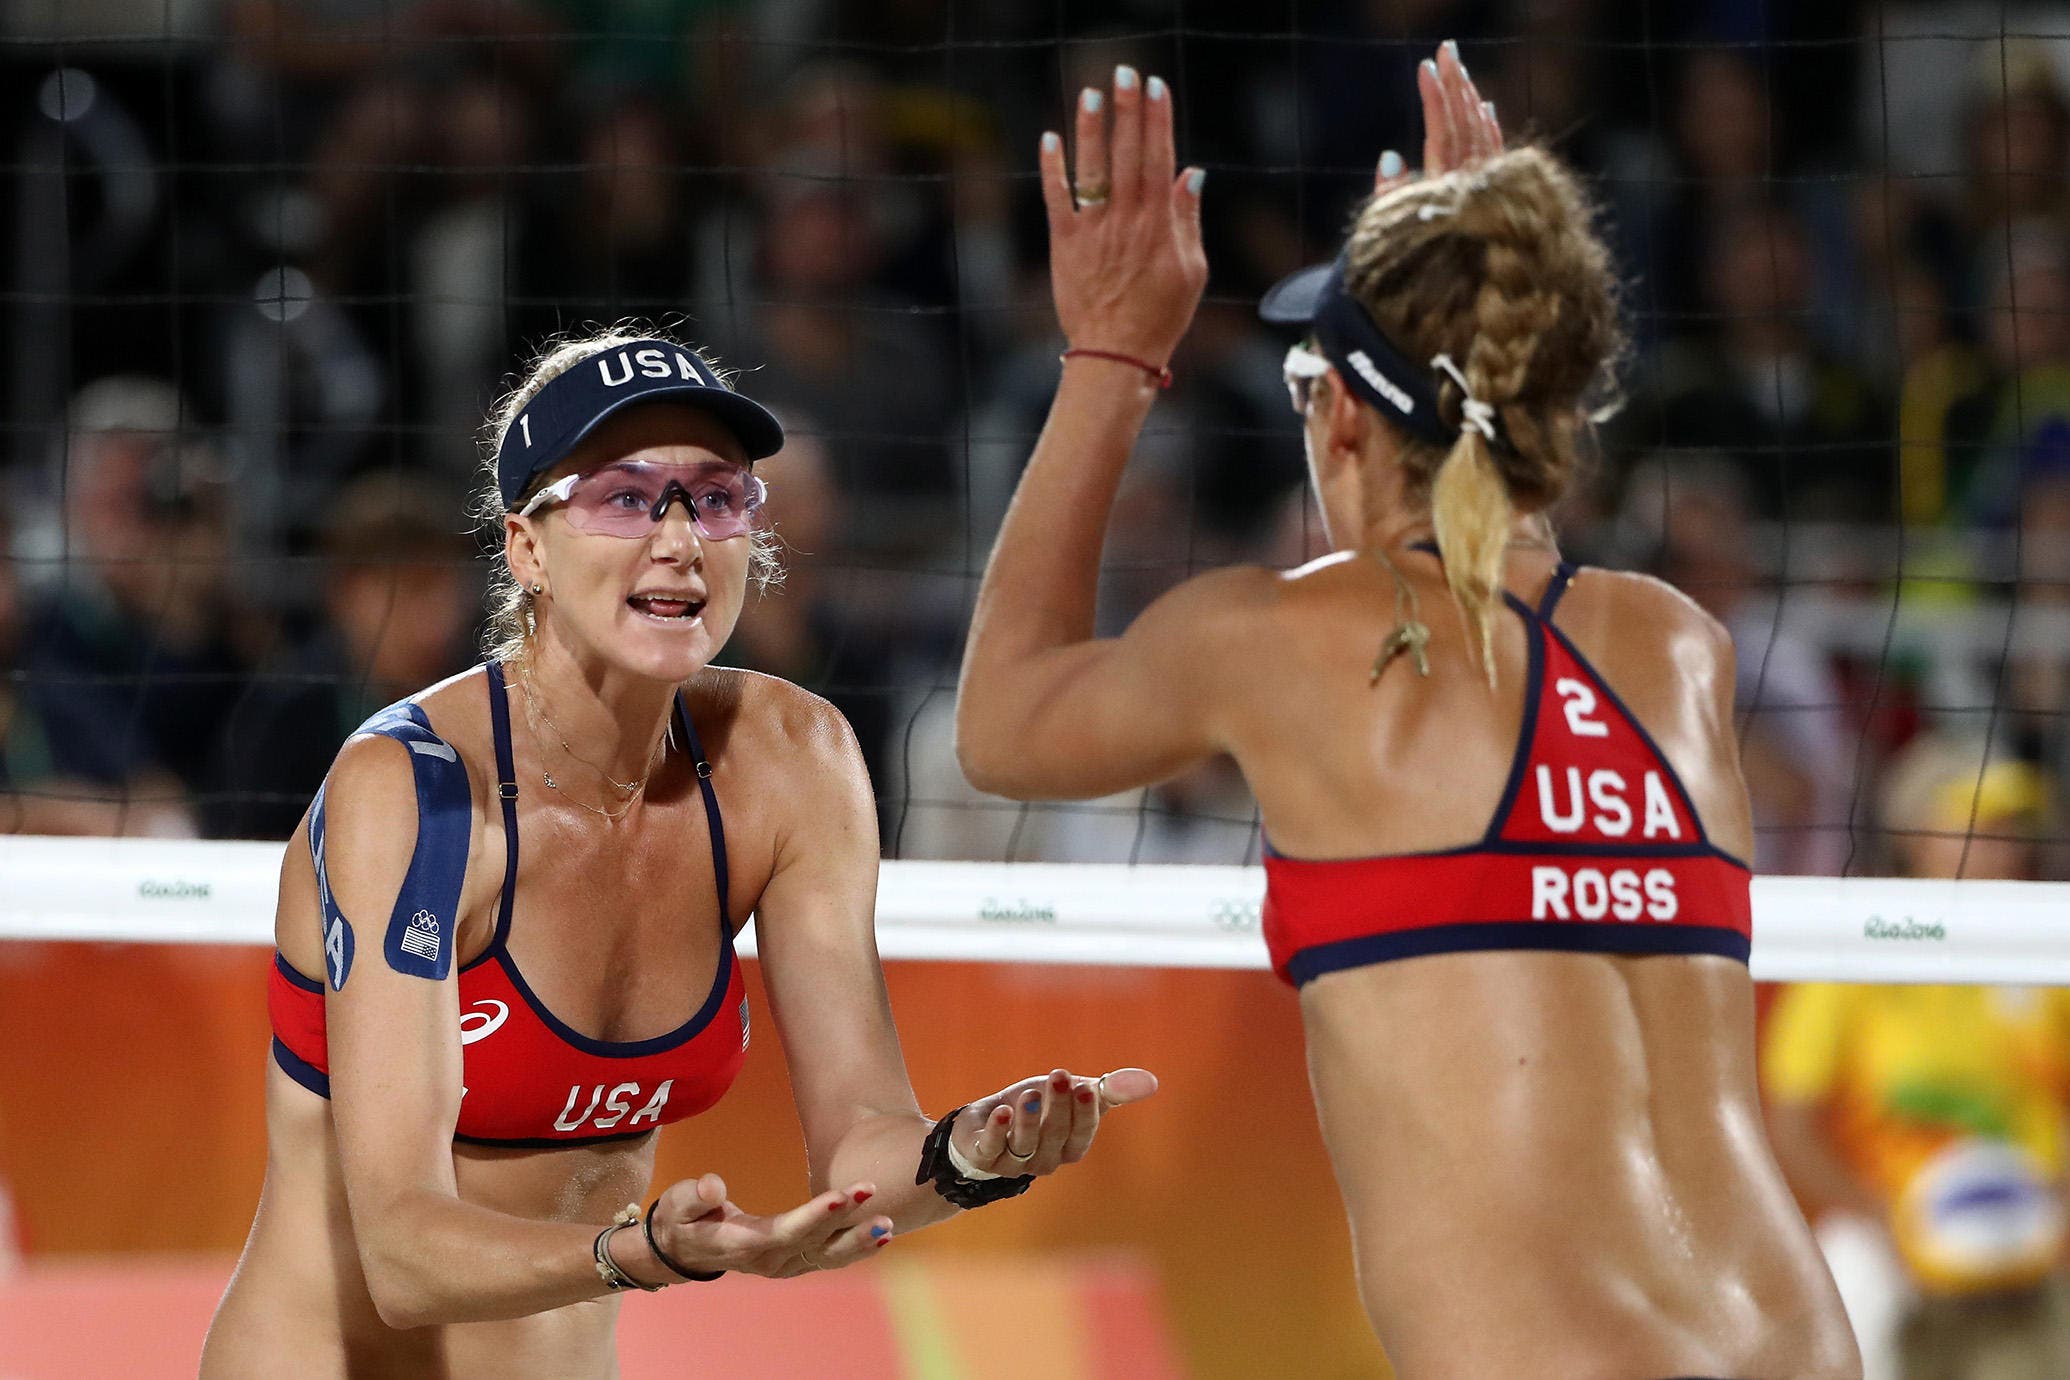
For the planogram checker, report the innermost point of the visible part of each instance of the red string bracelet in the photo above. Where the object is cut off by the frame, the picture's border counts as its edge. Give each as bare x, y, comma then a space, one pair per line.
1161, 373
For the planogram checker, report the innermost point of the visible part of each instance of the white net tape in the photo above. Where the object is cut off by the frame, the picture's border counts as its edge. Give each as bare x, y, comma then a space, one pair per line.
1836, 929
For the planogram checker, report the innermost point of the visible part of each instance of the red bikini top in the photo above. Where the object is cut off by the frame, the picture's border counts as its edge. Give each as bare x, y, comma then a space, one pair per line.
529, 1080
1595, 846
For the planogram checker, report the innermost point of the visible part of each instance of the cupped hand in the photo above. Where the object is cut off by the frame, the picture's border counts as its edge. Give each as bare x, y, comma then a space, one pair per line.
1459, 128
700, 1229
1042, 1123
1125, 259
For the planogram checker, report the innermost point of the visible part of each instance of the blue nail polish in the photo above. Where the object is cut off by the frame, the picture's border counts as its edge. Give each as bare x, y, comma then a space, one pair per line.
1430, 67
1195, 180
1033, 1103
1050, 143
1391, 164
1124, 79
1155, 89
1452, 47
1092, 101
880, 1232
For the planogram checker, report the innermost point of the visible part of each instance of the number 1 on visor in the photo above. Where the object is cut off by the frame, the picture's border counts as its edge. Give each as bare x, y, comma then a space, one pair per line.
628, 500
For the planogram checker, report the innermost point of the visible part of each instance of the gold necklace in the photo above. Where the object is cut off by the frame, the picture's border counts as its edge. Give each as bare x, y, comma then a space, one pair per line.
1411, 634
631, 790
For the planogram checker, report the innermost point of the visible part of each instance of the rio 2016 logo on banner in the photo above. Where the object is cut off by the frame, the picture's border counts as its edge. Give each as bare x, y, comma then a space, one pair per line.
151, 889
1879, 928
1237, 917
1021, 912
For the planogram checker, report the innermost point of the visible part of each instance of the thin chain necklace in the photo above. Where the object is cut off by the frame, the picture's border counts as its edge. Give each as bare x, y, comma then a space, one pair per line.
631, 790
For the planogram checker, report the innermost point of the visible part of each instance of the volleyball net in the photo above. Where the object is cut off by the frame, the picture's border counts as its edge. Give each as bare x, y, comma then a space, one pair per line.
1832, 929
269, 270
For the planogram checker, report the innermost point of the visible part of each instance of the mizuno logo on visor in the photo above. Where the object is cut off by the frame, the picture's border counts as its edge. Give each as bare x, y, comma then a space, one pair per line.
1382, 385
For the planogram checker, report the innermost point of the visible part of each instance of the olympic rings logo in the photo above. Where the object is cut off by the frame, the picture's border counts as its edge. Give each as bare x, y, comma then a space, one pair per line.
1233, 916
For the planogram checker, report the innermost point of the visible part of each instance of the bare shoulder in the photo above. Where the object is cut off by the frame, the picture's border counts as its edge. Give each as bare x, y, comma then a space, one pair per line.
1209, 601
772, 719
1628, 599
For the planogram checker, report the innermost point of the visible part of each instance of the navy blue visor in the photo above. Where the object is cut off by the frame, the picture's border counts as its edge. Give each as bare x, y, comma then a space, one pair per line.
1367, 361
577, 401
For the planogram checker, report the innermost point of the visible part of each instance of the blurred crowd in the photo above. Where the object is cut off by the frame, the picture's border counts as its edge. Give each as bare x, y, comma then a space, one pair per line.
273, 261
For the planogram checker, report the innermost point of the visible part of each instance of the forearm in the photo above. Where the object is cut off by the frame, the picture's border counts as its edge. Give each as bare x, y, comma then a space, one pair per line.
884, 1149
1043, 576
435, 1259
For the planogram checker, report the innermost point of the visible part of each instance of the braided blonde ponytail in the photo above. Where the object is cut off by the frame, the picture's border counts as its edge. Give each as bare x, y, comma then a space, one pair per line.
1470, 509
1500, 266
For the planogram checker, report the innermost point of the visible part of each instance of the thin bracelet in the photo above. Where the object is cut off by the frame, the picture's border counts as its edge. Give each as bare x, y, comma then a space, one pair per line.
608, 1270
1160, 373
647, 1230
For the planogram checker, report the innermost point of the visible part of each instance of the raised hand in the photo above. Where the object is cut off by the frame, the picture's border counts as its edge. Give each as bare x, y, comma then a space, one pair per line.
1041, 1124
696, 1226
1125, 259
1459, 128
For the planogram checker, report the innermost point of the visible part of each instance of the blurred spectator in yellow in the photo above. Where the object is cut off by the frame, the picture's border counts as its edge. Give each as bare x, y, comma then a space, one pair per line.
1926, 1123
2014, 423
398, 595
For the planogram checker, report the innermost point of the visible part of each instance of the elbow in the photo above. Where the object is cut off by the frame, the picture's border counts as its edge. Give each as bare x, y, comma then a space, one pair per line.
399, 1306
985, 765
401, 1301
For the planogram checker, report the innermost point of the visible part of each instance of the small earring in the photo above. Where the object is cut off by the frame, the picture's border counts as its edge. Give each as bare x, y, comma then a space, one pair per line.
537, 589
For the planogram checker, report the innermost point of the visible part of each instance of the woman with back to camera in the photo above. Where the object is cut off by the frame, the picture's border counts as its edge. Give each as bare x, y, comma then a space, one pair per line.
1502, 799
506, 938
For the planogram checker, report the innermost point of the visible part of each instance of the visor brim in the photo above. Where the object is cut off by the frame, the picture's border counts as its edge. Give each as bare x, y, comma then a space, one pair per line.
753, 425
1295, 299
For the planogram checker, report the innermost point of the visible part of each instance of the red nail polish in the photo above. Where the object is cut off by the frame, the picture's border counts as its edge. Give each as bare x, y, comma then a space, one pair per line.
1060, 1082
1003, 1115
834, 1206
1085, 1094
882, 1242
863, 1196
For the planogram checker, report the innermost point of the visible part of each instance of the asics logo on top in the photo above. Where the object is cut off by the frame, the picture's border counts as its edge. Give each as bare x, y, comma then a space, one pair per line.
477, 1024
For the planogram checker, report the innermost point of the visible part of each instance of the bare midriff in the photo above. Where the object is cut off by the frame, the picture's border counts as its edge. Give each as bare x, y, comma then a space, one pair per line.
300, 1291
1554, 1164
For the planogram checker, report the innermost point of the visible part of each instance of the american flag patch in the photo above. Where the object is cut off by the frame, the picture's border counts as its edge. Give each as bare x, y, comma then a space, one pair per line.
420, 936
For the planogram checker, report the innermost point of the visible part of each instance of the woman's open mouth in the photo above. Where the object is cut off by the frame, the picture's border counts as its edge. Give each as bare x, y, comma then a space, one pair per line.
664, 609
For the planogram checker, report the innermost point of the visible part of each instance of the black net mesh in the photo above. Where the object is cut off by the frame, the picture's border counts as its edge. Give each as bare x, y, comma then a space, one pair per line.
269, 263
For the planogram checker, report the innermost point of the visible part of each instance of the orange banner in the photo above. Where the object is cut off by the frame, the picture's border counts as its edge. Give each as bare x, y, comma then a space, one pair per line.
131, 1120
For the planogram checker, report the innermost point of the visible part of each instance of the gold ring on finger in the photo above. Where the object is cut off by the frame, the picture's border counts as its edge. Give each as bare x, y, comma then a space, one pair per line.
1092, 193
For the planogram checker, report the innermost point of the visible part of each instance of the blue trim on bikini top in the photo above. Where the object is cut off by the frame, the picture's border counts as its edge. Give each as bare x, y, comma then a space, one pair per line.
1538, 621
507, 790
